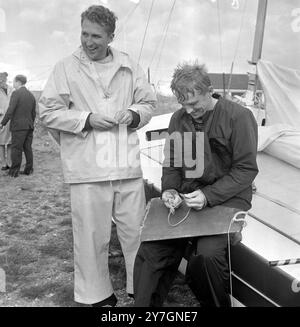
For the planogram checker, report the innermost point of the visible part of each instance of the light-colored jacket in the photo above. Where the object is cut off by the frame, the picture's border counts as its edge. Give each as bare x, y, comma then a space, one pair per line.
71, 93
5, 134
4, 99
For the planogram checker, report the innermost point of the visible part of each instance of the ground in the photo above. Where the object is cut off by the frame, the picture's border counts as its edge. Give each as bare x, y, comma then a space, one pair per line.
36, 250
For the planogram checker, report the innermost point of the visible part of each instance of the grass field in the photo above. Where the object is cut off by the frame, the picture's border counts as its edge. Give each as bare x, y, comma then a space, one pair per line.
36, 250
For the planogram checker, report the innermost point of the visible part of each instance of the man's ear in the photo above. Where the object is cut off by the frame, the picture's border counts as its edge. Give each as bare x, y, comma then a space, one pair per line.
111, 37
210, 89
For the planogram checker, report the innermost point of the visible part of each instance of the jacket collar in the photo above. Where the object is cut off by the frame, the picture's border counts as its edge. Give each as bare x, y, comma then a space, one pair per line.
120, 58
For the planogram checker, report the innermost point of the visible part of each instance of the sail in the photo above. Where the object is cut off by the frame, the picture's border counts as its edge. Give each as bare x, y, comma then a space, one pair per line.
281, 87
280, 137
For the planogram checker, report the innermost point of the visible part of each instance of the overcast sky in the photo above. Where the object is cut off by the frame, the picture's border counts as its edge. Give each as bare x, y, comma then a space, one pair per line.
38, 33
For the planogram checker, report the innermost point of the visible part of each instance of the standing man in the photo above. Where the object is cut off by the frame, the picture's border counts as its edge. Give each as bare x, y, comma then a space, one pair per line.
95, 100
230, 147
5, 134
21, 113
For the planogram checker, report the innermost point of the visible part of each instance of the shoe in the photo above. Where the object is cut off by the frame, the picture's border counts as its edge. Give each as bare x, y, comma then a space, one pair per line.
5, 167
27, 171
13, 172
108, 302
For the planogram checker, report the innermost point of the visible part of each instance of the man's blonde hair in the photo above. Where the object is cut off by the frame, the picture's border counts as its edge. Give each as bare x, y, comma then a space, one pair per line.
189, 77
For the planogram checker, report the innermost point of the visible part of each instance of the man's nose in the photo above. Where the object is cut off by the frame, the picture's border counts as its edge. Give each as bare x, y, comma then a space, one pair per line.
188, 109
89, 41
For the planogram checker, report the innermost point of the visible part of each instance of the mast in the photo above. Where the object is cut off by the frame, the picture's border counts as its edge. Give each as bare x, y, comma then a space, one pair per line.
259, 31
257, 46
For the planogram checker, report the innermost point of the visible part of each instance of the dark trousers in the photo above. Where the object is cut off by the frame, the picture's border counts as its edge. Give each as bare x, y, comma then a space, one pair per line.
21, 141
207, 272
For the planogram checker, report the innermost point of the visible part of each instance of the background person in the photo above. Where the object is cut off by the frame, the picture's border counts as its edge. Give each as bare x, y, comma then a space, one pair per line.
5, 134
21, 114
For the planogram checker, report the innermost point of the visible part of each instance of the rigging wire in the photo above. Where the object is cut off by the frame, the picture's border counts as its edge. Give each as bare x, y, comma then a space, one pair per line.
38, 76
164, 32
145, 33
220, 35
244, 224
126, 19
156, 48
165, 35
237, 45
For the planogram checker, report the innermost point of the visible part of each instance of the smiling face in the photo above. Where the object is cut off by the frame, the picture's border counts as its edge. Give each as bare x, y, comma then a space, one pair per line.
198, 103
95, 40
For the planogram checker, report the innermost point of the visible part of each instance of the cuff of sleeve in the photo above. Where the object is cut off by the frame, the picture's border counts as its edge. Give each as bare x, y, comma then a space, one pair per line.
87, 126
135, 119
206, 198
82, 120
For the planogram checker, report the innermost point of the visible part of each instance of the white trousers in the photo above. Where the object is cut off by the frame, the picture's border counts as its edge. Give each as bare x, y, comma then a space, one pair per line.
93, 206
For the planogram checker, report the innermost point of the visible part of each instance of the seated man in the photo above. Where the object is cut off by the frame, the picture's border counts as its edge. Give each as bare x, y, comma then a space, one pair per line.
229, 168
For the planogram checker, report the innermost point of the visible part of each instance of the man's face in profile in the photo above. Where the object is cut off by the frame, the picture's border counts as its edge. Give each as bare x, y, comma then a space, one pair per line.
95, 40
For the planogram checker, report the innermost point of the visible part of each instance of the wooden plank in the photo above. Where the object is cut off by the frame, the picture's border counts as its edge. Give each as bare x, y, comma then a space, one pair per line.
209, 221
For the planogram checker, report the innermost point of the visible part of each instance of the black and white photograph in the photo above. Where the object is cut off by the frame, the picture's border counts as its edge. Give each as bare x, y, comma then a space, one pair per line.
150, 156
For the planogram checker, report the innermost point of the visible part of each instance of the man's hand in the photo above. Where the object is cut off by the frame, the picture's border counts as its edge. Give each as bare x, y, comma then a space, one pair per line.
99, 121
124, 117
171, 199
195, 200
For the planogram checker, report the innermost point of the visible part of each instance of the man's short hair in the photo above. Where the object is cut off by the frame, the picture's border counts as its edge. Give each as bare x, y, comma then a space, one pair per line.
190, 77
21, 78
3, 74
101, 16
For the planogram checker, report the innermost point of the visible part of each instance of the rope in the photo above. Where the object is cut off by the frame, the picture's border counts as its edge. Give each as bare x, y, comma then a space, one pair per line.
38, 77
160, 41
120, 29
220, 35
146, 29
234, 219
180, 221
237, 46
164, 36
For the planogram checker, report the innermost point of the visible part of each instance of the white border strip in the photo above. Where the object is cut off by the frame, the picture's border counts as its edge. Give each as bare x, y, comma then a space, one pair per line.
255, 290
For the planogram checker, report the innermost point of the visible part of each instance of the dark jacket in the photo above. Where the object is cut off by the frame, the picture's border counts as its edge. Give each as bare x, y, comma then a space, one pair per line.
230, 149
21, 110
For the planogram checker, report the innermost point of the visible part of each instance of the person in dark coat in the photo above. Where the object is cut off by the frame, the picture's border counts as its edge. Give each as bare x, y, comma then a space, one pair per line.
224, 178
21, 114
